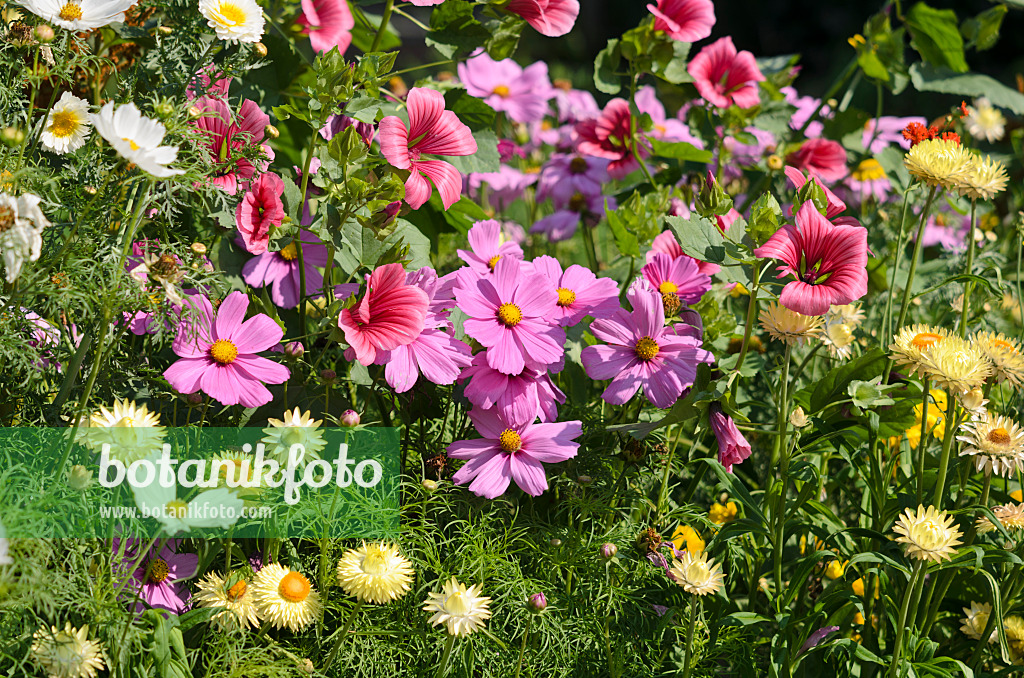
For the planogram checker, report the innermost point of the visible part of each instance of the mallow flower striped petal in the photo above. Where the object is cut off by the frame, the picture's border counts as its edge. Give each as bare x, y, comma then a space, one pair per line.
391, 314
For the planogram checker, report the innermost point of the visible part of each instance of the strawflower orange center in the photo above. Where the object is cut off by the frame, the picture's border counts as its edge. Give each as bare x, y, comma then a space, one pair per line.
294, 587
925, 340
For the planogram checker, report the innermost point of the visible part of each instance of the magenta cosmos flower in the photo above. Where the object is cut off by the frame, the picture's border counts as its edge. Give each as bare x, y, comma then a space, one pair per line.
580, 292
679, 276
510, 451
608, 136
261, 208
522, 93
281, 269
391, 314
552, 18
512, 314
487, 248
684, 20
225, 138
520, 398
724, 76
163, 586
328, 23
431, 130
666, 243
218, 352
642, 351
733, 448
821, 157
829, 262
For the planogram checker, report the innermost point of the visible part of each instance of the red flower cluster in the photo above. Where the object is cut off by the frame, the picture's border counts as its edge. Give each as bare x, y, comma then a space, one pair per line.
915, 132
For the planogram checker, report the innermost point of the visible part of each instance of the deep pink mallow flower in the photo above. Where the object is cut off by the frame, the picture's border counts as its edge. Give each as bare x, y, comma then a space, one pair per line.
834, 205
566, 174
523, 93
167, 592
679, 276
822, 157
666, 243
512, 314
641, 351
512, 451
684, 20
328, 23
552, 18
261, 208
665, 128
519, 398
227, 137
431, 130
733, 448
280, 270
391, 314
724, 76
608, 136
828, 260
580, 292
209, 81
218, 352
487, 248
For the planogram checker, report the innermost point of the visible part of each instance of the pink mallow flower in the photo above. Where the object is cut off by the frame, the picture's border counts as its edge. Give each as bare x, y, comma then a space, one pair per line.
641, 351
522, 93
829, 262
552, 18
679, 276
431, 130
512, 315
821, 157
328, 23
724, 76
487, 248
834, 205
684, 20
261, 208
164, 587
520, 398
209, 81
733, 448
281, 269
666, 243
609, 136
510, 451
219, 352
580, 292
227, 137
391, 314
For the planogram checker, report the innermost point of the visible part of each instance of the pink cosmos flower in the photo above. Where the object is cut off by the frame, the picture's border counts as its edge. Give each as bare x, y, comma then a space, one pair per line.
724, 76
880, 133
608, 136
868, 181
666, 243
261, 208
487, 248
679, 276
225, 138
575, 105
822, 157
834, 207
733, 448
829, 262
552, 18
431, 130
805, 108
566, 174
520, 398
642, 351
511, 314
426, 3
739, 154
280, 270
328, 23
391, 314
169, 592
684, 20
665, 128
946, 228
580, 292
510, 451
218, 352
522, 93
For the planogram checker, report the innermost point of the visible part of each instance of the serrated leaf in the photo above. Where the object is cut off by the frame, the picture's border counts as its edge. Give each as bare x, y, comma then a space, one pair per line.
363, 108
504, 36
699, 238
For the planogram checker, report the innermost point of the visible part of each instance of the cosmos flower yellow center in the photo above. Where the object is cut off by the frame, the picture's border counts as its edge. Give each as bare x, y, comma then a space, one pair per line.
457, 604
493, 261
237, 591
999, 436
502, 91
869, 170
230, 15
510, 441
63, 124
646, 349
223, 351
289, 252
668, 287
925, 340
134, 146
72, 11
176, 508
158, 570
566, 296
294, 587
509, 315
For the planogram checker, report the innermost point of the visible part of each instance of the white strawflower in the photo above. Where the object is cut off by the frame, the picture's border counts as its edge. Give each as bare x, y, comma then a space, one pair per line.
461, 610
67, 125
984, 121
234, 20
21, 228
79, 15
68, 653
137, 138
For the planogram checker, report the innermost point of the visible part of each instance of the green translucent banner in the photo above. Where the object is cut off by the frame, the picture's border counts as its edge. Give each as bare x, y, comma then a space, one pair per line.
148, 482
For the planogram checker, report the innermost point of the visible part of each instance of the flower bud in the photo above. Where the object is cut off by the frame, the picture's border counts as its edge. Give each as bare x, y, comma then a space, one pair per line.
328, 377
12, 136
271, 131
973, 401
193, 399
164, 109
260, 50
350, 418
199, 248
584, 480
307, 666
194, 112
43, 33
79, 478
609, 550
538, 602
164, 30
294, 349
797, 417
556, 542
91, 190
713, 200
429, 485
774, 162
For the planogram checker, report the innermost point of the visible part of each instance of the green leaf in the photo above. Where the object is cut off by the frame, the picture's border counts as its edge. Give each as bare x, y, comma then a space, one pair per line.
866, 394
982, 31
605, 64
764, 219
504, 36
928, 79
454, 31
699, 238
363, 108
936, 36
625, 239
680, 150
475, 113
834, 384
673, 69
486, 158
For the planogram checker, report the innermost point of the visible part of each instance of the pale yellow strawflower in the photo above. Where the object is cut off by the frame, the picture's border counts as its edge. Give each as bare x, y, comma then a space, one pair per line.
235, 602
68, 653
927, 533
285, 598
295, 428
984, 121
1005, 354
939, 162
697, 573
1014, 627
845, 314
1010, 516
986, 179
996, 443
957, 364
910, 344
789, 326
375, 573
131, 432
976, 620
461, 610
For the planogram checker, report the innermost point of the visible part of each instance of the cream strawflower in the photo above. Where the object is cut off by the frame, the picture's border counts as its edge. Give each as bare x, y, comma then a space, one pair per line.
910, 344
285, 598
295, 429
21, 228
984, 121
1014, 627
67, 125
461, 610
136, 138
789, 326
1005, 354
697, 573
984, 181
927, 533
68, 653
846, 314
235, 601
939, 162
375, 573
79, 15
234, 20
996, 443
839, 339
132, 432
1010, 516
956, 364
976, 621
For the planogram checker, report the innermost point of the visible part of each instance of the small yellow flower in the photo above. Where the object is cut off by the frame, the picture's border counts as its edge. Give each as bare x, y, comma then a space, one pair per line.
927, 533
1014, 627
295, 429
697, 573
285, 598
976, 620
789, 326
936, 421
375, 573
131, 432
685, 534
836, 568
957, 364
984, 181
1017, 495
720, 515
461, 610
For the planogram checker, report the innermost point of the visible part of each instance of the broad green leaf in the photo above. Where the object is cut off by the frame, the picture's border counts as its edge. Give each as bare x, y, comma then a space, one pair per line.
363, 108
936, 36
605, 64
680, 150
473, 112
699, 237
982, 31
764, 219
454, 31
928, 79
504, 36
673, 67
625, 239
486, 158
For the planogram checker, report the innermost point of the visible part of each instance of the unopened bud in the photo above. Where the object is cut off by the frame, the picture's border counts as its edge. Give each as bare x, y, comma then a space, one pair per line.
774, 162
199, 248
307, 666
538, 602
43, 33
671, 303
556, 542
608, 550
713, 200
12, 136
584, 480
164, 110
429, 485
328, 377
164, 30
797, 417
194, 112
812, 191
91, 190
260, 50
294, 349
271, 131
350, 418
193, 399
973, 401
79, 478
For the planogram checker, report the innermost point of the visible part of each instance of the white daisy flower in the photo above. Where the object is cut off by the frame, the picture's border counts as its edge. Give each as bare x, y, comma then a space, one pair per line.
67, 125
79, 15
137, 138
21, 228
234, 20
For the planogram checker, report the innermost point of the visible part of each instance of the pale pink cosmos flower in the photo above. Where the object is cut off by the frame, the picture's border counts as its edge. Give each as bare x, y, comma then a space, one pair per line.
829, 262
805, 108
724, 76
520, 398
226, 136
568, 215
487, 248
328, 23
566, 174
552, 18
821, 157
260, 208
680, 276
666, 243
684, 20
580, 292
512, 451
218, 352
665, 128
504, 186
522, 93
391, 314
431, 130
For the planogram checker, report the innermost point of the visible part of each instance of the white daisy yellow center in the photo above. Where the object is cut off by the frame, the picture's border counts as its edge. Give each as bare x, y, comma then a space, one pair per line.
229, 15
72, 11
64, 124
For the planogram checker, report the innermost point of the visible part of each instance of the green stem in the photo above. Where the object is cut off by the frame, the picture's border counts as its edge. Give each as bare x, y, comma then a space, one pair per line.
341, 636
442, 667
922, 443
897, 652
783, 454
522, 646
887, 320
389, 6
690, 625
588, 242
969, 285
947, 446
635, 77
904, 306
755, 285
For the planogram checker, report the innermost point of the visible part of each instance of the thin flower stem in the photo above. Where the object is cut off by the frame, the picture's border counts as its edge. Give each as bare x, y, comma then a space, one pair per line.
688, 650
897, 651
947, 446
969, 269
588, 242
522, 646
442, 667
782, 452
341, 636
904, 306
922, 443
887, 320
755, 285
634, 146
389, 6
